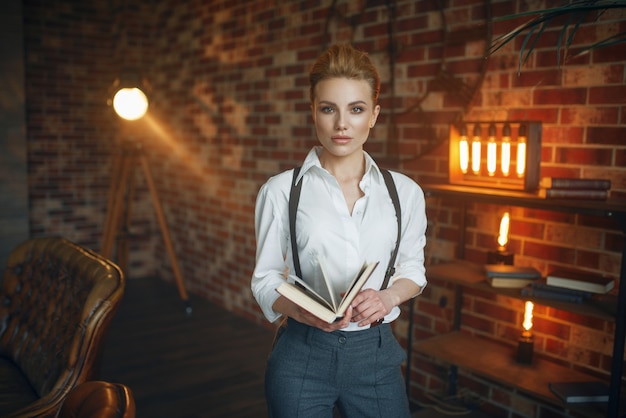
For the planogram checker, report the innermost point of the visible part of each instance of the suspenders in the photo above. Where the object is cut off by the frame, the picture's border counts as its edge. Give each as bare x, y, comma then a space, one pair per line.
294, 198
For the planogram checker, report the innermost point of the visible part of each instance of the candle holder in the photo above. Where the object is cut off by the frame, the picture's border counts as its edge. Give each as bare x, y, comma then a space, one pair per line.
525, 348
500, 256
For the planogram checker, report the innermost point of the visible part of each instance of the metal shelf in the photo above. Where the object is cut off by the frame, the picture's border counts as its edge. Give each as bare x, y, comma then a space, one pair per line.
612, 208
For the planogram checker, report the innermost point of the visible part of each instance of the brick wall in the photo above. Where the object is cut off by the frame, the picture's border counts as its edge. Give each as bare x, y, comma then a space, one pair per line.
229, 108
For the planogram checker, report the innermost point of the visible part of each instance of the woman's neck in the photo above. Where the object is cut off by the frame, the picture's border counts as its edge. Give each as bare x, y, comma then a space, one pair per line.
351, 167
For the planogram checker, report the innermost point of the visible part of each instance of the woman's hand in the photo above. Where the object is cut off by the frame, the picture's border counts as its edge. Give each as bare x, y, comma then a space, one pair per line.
290, 309
308, 318
371, 305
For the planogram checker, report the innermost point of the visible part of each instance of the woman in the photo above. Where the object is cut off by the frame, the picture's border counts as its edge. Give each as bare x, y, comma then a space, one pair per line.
345, 218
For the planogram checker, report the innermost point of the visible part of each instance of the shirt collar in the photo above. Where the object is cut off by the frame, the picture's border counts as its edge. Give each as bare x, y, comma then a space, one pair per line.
312, 160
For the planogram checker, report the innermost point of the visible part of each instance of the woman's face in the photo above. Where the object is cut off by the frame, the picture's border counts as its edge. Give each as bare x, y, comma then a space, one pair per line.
343, 114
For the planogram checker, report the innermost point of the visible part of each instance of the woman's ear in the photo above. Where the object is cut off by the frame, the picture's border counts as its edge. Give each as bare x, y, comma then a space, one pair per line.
374, 117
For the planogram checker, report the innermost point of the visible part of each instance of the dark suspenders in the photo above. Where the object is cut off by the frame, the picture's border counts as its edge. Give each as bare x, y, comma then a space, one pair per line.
294, 198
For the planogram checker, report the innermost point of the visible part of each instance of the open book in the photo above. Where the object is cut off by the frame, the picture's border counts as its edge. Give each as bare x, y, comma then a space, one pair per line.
326, 310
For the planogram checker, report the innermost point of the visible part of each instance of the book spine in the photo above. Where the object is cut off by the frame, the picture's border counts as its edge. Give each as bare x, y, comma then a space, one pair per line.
561, 290
575, 183
547, 294
574, 194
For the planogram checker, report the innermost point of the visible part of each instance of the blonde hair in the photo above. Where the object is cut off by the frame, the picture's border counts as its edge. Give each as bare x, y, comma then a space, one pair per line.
344, 61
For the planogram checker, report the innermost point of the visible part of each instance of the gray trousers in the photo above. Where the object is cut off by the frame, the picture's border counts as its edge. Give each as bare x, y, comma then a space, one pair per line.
310, 371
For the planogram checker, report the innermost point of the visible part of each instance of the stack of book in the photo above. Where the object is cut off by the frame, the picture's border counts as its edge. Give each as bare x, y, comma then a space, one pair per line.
581, 392
574, 188
540, 289
507, 276
580, 280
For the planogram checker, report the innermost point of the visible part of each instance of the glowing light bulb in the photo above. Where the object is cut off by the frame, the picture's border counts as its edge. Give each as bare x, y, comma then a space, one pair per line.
491, 150
503, 233
521, 151
505, 158
528, 318
463, 150
476, 150
130, 103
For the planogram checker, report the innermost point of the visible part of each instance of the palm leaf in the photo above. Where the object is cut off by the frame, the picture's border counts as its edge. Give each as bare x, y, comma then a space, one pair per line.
575, 11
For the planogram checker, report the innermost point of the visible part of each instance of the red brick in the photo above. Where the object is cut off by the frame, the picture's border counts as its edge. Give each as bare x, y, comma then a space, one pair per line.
565, 96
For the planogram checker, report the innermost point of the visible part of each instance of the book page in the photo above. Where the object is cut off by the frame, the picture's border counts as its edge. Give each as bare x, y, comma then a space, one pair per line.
329, 286
355, 286
308, 290
307, 301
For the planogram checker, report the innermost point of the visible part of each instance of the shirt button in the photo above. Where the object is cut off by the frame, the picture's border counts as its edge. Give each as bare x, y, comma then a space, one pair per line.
342, 340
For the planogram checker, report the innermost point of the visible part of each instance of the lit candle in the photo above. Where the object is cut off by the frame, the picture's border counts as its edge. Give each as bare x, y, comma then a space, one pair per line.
476, 150
505, 158
526, 342
463, 150
521, 151
491, 150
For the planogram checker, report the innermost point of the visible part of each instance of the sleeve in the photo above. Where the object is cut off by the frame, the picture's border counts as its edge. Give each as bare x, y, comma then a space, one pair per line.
410, 262
270, 268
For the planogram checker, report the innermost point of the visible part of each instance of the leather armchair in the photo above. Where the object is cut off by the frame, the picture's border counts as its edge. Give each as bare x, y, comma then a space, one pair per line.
57, 301
99, 399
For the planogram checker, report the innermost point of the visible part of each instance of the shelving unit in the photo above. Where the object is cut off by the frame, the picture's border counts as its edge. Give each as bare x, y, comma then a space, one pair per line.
487, 358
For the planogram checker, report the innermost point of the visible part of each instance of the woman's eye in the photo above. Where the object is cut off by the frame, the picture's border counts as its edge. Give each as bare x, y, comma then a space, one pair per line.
357, 109
327, 109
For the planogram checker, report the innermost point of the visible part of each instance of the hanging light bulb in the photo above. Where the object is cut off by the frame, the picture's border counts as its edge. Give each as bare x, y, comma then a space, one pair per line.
476, 150
463, 150
491, 150
521, 151
505, 157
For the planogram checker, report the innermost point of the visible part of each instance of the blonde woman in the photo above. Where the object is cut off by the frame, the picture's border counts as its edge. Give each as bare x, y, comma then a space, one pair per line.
345, 217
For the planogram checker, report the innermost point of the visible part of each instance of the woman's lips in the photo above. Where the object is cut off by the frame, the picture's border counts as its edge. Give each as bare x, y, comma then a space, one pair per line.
341, 139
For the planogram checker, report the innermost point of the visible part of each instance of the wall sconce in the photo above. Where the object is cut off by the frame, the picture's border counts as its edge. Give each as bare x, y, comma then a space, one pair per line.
525, 345
509, 157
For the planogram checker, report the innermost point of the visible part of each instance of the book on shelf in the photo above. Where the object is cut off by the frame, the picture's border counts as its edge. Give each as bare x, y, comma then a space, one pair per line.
580, 280
581, 392
513, 277
539, 289
327, 309
506, 270
584, 194
509, 282
574, 183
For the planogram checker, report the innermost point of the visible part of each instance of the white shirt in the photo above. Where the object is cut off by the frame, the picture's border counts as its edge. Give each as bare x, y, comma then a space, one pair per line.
326, 230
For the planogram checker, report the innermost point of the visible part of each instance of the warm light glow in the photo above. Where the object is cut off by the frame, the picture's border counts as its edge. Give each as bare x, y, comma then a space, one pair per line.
505, 158
528, 316
463, 154
130, 103
491, 152
463, 149
476, 150
521, 151
503, 234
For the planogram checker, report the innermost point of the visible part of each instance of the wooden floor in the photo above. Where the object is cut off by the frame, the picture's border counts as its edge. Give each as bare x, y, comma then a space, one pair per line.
209, 364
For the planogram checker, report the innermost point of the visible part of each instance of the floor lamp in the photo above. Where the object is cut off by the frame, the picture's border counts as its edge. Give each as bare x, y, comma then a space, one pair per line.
132, 104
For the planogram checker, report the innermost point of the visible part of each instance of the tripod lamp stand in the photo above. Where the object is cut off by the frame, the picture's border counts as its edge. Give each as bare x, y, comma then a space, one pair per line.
132, 104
